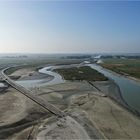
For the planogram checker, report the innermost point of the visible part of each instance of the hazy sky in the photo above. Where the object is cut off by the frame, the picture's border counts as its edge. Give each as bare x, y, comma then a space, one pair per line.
69, 27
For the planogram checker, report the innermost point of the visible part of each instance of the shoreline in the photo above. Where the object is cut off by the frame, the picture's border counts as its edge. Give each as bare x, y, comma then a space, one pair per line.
121, 103
137, 80
119, 100
134, 78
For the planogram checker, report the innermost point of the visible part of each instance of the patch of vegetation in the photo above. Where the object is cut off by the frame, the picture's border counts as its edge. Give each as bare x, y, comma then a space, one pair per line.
124, 66
35, 63
81, 73
11, 70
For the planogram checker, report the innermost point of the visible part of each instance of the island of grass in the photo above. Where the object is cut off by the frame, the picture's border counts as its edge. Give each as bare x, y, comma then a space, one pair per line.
128, 67
81, 73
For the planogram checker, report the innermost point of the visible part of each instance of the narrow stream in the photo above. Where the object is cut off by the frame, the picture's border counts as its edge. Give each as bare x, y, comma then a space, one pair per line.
57, 78
54, 79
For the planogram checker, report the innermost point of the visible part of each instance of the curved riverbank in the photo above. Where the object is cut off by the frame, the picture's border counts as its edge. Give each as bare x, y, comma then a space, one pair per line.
82, 101
124, 96
133, 78
112, 91
44, 77
57, 79
129, 89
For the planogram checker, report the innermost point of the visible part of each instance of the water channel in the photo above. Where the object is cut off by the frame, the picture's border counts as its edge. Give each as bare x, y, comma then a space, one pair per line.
130, 89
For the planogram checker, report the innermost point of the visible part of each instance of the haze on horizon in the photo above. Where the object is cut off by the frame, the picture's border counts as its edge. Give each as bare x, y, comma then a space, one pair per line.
69, 27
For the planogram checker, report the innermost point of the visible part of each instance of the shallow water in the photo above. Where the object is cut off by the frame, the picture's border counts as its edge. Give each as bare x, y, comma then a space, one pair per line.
2, 85
55, 79
130, 89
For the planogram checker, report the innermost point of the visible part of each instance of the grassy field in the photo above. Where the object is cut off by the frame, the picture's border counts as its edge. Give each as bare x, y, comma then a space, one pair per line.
123, 66
37, 61
33, 62
81, 73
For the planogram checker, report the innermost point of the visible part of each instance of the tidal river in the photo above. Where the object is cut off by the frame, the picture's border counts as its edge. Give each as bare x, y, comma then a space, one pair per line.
56, 78
130, 89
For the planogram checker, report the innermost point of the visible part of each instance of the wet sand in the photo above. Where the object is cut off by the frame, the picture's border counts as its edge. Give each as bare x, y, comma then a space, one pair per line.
111, 120
29, 74
17, 113
12, 107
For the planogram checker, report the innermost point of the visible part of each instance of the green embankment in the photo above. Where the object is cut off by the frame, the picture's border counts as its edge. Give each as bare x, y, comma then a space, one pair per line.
124, 66
81, 73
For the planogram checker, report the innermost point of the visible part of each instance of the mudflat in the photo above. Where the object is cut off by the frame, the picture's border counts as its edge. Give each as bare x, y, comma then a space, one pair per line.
90, 113
110, 119
29, 74
12, 107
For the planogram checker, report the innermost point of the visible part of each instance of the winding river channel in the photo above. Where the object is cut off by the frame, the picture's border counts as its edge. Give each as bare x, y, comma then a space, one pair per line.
130, 89
55, 79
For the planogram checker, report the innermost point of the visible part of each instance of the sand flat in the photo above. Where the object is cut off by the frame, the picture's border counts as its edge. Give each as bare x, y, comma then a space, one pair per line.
113, 120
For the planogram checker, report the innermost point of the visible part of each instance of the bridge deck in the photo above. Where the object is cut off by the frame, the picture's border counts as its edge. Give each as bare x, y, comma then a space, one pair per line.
30, 95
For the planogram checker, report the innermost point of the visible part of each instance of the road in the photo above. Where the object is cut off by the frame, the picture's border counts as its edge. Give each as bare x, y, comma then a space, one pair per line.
45, 104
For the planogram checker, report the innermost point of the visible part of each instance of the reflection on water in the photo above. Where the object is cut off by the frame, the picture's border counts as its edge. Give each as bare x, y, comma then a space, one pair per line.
130, 89
57, 78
